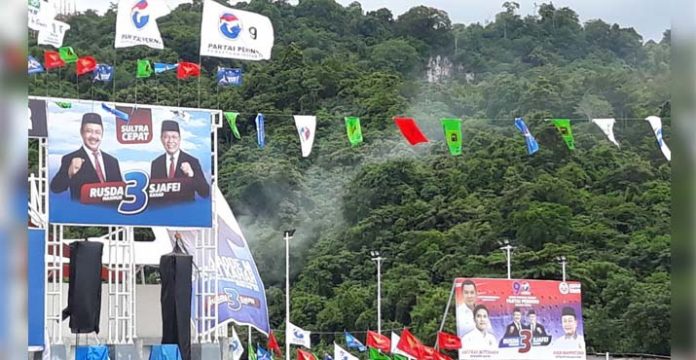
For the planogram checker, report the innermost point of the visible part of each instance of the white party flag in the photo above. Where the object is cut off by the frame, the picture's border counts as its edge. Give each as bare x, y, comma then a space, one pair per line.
656, 124
306, 126
235, 34
41, 14
607, 127
236, 345
53, 34
136, 23
298, 336
342, 354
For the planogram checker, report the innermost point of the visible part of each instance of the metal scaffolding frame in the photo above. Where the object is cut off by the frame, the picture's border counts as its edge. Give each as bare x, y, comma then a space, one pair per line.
121, 286
121, 296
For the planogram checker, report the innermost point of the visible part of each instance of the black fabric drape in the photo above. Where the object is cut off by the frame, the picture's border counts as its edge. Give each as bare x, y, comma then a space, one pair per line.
84, 290
175, 272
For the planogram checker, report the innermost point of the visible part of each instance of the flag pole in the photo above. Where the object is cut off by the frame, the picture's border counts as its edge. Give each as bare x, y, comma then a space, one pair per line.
444, 317
199, 80
113, 80
249, 336
288, 235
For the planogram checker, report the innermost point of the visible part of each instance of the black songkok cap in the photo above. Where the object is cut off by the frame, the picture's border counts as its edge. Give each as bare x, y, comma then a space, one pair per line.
91, 118
170, 125
568, 311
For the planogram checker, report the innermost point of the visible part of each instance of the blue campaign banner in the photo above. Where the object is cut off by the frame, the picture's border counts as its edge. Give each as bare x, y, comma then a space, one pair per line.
239, 280
146, 170
241, 294
36, 267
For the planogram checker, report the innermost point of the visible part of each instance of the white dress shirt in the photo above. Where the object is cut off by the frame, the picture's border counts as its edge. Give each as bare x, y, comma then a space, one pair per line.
170, 160
90, 155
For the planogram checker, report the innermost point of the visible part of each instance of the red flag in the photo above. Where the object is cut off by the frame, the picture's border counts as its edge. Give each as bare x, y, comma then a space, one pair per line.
440, 356
85, 64
447, 341
305, 355
273, 345
52, 60
187, 69
410, 344
410, 130
378, 341
428, 353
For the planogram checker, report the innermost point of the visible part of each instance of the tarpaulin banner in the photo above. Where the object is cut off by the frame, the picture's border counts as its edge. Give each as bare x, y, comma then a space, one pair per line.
113, 164
36, 269
241, 294
519, 319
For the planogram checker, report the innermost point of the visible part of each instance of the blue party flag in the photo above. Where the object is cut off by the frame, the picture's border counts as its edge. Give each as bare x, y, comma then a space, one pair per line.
262, 354
260, 132
162, 67
532, 145
103, 72
119, 114
228, 76
34, 66
353, 343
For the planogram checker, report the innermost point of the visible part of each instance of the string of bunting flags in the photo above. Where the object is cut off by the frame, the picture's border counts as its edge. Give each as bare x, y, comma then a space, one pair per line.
452, 129
405, 346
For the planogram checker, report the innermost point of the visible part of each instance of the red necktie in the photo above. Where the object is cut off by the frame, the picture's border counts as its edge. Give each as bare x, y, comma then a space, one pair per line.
97, 166
172, 169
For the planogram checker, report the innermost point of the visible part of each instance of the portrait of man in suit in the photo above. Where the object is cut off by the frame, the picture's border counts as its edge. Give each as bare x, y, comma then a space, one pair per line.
176, 164
88, 164
536, 328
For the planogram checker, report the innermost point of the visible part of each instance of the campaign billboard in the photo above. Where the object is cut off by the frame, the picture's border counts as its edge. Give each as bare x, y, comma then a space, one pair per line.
505, 319
129, 165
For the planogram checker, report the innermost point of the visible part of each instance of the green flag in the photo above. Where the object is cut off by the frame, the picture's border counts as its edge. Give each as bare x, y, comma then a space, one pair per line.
563, 126
67, 54
63, 104
354, 131
251, 353
376, 355
399, 357
144, 69
232, 120
453, 135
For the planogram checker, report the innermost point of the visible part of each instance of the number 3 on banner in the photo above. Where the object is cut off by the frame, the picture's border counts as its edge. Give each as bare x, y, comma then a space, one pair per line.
525, 340
135, 199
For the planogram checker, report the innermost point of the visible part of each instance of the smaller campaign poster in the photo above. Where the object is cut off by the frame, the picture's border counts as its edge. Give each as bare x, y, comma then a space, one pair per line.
129, 165
519, 319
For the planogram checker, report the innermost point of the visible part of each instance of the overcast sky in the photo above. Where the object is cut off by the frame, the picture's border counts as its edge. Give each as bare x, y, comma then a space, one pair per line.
649, 17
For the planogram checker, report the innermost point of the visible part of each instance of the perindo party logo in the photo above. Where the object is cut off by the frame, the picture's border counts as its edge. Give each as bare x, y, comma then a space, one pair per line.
521, 288
305, 133
139, 14
230, 26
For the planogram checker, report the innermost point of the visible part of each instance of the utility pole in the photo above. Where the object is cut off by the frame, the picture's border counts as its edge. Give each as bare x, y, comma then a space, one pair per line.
563, 261
505, 246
